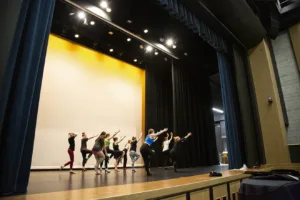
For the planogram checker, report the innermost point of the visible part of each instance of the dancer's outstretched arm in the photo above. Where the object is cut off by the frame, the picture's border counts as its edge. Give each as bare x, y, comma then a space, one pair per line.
171, 137
139, 137
159, 133
93, 136
187, 136
113, 135
121, 140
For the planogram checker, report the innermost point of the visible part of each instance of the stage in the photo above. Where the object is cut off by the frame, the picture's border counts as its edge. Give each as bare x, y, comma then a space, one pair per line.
54, 181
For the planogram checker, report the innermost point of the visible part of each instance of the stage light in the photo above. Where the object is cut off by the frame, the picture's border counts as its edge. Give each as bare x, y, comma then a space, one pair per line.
103, 4
72, 14
128, 39
169, 42
166, 59
129, 21
76, 36
174, 46
135, 60
111, 50
146, 31
185, 54
141, 46
149, 49
92, 23
217, 110
81, 15
108, 10
156, 53
110, 33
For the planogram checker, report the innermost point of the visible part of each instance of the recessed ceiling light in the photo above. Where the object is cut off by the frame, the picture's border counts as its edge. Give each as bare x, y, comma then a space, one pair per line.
129, 21
103, 4
156, 53
146, 31
92, 23
135, 60
81, 15
128, 39
141, 46
185, 54
174, 46
72, 13
111, 50
166, 59
169, 42
149, 49
110, 33
108, 10
76, 36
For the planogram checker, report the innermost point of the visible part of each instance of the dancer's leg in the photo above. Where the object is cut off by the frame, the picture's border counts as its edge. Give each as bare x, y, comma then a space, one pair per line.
146, 157
83, 153
125, 160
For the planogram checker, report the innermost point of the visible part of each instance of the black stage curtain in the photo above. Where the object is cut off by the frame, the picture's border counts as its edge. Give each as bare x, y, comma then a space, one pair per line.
193, 113
158, 104
20, 94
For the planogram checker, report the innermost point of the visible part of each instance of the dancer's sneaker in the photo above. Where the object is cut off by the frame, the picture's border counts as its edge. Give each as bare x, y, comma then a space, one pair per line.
116, 170
71, 172
149, 174
133, 170
107, 171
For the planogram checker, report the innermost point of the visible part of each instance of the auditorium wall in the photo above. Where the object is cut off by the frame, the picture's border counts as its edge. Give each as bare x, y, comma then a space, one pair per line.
83, 90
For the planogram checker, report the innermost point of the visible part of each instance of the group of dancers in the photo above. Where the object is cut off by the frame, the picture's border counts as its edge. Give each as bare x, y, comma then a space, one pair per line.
101, 150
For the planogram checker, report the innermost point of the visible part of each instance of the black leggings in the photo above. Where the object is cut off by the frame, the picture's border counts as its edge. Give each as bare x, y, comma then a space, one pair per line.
84, 153
125, 158
166, 157
108, 150
146, 153
174, 159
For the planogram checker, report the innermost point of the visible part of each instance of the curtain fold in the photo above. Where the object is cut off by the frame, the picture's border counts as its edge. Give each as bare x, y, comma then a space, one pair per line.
21, 92
193, 108
231, 113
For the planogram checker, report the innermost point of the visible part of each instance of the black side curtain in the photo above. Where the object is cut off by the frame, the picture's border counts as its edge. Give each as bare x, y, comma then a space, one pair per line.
193, 107
231, 113
20, 94
158, 104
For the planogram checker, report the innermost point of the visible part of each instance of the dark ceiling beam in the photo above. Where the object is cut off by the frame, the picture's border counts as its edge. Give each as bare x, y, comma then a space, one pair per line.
233, 19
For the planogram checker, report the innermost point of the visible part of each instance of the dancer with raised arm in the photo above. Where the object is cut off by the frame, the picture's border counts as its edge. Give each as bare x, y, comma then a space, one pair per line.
71, 150
175, 150
127, 146
84, 150
99, 152
117, 153
166, 150
145, 148
133, 154
107, 139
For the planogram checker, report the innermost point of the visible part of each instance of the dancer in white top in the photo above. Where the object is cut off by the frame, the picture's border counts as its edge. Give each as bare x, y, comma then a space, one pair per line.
166, 150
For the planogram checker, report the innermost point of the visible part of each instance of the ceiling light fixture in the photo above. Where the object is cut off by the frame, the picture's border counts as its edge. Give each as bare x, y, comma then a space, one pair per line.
103, 4
156, 53
76, 36
169, 42
135, 60
111, 50
108, 10
149, 49
128, 39
72, 13
174, 46
217, 110
110, 33
92, 23
129, 21
81, 15
146, 31
185, 54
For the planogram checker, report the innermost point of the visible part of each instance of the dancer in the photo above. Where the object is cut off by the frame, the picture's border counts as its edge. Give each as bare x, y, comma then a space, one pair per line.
145, 148
84, 150
117, 153
99, 152
175, 150
108, 150
71, 152
166, 150
125, 150
133, 154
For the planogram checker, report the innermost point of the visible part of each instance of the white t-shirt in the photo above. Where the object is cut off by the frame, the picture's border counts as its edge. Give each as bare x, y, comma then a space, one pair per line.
166, 145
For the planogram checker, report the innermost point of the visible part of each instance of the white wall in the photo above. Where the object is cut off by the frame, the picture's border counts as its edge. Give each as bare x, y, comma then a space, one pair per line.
84, 91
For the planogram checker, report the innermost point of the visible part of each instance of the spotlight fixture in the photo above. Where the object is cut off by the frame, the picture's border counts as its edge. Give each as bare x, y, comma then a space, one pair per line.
156, 53
185, 54
141, 46
111, 50
128, 39
110, 33
149, 49
81, 15
146, 31
169, 42
166, 59
217, 110
76, 36
92, 23
72, 14
135, 60
129, 21
103, 4
174, 46
108, 10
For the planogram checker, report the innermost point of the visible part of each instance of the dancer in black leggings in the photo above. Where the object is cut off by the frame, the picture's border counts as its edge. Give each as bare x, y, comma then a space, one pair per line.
84, 150
125, 150
166, 150
175, 150
117, 153
145, 148
108, 150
